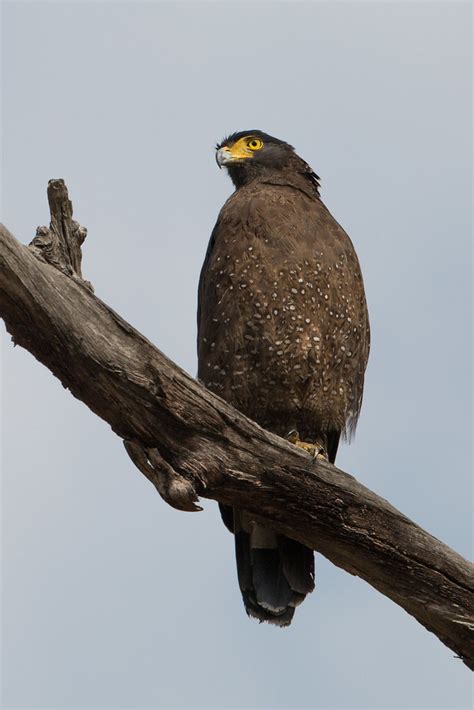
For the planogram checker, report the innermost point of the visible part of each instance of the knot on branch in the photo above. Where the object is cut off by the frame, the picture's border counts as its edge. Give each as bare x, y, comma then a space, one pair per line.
175, 489
60, 243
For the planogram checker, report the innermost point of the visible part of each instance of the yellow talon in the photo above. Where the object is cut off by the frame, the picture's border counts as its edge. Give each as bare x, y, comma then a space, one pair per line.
317, 449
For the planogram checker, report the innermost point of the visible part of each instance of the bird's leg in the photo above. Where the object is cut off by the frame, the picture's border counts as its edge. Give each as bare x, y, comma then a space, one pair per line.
317, 449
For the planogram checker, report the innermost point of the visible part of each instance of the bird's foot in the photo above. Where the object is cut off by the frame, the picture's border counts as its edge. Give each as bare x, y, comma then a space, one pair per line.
316, 449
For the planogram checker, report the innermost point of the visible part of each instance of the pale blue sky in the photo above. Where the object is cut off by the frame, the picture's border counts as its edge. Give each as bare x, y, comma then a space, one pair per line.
111, 598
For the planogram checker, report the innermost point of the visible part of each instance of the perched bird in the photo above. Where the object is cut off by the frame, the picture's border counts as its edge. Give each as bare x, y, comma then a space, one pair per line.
283, 335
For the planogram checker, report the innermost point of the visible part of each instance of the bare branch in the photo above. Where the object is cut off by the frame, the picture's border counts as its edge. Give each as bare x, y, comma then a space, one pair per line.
190, 443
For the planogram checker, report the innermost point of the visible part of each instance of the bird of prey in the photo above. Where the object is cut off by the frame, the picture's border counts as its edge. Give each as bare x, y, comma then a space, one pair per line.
283, 335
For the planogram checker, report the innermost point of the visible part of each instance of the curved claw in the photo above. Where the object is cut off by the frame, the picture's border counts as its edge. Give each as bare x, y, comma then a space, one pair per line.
316, 449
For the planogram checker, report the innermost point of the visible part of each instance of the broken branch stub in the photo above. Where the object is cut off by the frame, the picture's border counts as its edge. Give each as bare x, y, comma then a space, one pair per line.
60, 243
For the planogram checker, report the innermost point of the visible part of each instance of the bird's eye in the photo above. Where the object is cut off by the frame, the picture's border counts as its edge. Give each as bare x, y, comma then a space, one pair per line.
255, 144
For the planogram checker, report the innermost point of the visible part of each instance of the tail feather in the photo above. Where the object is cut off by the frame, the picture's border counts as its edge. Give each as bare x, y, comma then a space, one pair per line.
274, 572
242, 556
298, 565
258, 612
272, 590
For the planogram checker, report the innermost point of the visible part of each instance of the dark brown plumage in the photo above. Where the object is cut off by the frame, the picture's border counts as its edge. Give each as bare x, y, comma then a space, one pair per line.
283, 335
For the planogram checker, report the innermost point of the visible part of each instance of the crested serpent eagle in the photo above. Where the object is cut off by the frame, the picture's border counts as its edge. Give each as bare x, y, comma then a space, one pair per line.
283, 335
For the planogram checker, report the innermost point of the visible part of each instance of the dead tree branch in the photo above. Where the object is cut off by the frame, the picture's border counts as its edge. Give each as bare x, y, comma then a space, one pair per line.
190, 443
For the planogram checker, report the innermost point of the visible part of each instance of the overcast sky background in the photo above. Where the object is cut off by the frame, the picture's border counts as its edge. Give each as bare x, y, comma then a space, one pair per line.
111, 598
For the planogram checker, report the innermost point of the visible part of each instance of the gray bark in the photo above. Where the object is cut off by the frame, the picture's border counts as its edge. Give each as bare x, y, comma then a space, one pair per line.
190, 443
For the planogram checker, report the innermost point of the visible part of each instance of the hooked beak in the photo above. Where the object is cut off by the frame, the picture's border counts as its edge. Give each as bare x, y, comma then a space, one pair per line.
224, 157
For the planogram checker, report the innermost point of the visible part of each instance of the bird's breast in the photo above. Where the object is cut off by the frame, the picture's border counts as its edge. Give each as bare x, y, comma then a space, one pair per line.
283, 316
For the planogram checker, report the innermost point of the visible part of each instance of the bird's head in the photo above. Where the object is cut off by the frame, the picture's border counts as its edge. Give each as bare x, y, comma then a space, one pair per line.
252, 154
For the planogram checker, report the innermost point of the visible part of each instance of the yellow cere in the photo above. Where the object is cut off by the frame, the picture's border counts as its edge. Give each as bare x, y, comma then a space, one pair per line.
245, 147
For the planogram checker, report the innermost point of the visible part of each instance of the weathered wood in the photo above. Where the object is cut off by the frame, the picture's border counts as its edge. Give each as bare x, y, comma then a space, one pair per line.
60, 243
190, 443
